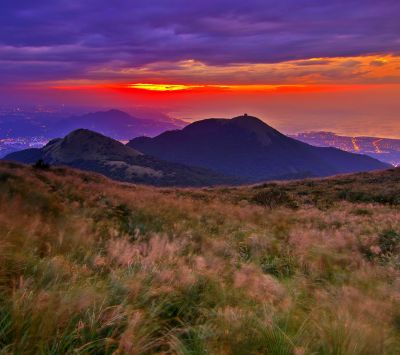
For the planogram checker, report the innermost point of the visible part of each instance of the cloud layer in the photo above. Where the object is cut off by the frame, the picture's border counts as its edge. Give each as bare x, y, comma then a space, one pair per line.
55, 40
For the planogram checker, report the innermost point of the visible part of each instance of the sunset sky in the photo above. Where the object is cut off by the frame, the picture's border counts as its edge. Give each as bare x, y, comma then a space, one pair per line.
297, 64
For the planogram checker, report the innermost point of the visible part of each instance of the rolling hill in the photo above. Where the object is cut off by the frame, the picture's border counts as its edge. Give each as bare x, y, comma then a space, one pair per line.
88, 150
247, 148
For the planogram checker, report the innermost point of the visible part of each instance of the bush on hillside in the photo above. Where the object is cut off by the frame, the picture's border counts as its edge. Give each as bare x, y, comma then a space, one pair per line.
274, 197
41, 165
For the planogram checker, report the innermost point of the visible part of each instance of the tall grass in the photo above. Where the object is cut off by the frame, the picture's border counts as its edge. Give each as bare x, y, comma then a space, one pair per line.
88, 265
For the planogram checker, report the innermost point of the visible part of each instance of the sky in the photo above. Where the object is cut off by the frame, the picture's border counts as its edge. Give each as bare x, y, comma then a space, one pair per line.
297, 64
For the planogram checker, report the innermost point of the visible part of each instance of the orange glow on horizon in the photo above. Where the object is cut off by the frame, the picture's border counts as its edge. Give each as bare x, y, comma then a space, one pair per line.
207, 87
163, 87
186, 87
356, 108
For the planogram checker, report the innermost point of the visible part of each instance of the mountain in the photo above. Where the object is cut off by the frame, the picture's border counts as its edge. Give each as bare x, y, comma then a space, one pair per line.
88, 150
116, 124
247, 148
384, 149
112, 123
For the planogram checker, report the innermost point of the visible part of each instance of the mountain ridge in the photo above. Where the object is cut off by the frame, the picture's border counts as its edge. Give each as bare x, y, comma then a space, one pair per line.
246, 147
115, 123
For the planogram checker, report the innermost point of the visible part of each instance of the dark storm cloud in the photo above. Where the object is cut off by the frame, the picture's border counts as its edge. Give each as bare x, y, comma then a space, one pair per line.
76, 35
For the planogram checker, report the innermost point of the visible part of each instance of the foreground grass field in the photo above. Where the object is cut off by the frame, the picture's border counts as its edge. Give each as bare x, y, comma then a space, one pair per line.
88, 265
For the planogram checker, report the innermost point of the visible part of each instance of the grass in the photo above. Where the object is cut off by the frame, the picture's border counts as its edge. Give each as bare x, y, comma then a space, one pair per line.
88, 265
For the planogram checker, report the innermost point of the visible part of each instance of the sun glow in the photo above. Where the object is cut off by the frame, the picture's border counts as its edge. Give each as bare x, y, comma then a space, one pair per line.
181, 87
163, 87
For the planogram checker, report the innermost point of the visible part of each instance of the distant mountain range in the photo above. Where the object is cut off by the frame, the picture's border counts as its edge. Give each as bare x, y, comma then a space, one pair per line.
384, 149
116, 124
247, 148
88, 150
209, 152
112, 123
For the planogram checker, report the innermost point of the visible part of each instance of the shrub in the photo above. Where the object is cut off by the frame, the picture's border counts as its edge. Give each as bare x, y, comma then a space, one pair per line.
389, 241
386, 247
283, 266
41, 165
274, 197
362, 212
4, 176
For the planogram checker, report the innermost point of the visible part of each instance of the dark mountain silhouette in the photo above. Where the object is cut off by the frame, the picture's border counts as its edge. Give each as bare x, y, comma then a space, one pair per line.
248, 148
88, 150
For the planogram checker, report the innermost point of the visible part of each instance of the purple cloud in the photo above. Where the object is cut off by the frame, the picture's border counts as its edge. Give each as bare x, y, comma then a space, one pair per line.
64, 39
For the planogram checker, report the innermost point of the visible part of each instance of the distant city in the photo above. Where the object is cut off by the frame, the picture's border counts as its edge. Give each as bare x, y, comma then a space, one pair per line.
384, 149
9, 145
25, 127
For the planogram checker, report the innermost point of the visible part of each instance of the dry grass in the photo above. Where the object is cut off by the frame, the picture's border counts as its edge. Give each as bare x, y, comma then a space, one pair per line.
88, 265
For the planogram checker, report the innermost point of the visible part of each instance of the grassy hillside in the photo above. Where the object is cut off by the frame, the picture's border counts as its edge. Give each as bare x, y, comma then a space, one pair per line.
91, 151
88, 265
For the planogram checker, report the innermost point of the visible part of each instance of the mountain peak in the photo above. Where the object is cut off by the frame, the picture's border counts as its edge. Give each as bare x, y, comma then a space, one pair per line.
79, 131
250, 120
245, 116
84, 133
115, 111
256, 126
245, 122
86, 144
112, 112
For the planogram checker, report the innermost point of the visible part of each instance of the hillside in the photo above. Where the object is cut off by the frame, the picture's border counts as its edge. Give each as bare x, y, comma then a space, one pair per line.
247, 148
87, 150
90, 265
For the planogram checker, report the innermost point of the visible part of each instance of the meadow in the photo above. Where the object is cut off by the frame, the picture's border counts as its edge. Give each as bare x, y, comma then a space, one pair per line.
93, 266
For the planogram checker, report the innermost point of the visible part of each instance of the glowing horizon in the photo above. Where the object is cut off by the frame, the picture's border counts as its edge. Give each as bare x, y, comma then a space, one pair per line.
162, 87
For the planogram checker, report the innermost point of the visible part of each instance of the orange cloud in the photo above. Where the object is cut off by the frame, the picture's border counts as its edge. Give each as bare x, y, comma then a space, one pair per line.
336, 70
